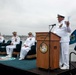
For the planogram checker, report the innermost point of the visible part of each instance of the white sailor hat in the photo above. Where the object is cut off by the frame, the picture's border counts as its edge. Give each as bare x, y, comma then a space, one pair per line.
30, 33
61, 14
14, 32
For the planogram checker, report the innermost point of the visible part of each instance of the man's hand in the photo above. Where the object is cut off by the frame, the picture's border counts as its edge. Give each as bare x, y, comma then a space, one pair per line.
11, 43
60, 25
25, 45
67, 23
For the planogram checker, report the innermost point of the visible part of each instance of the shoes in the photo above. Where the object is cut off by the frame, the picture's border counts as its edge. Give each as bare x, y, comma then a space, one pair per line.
64, 67
61, 66
21, 58
8, 56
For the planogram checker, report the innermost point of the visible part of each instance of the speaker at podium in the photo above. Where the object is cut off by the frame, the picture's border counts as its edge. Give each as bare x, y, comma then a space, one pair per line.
48, 50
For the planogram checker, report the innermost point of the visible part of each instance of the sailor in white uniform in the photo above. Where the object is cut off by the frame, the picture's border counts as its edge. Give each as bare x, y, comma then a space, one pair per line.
14, 41
1, 38
27, 46
62, 30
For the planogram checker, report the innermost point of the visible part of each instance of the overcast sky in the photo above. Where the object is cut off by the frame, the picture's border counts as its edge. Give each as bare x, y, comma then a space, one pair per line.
24, 16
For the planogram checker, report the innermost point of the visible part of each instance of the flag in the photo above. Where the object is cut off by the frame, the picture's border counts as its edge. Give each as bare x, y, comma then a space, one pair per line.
73, 37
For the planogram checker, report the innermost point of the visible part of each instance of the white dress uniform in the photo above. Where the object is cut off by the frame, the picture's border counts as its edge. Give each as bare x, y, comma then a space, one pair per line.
24, 50
1, 39
9, 48
63, 33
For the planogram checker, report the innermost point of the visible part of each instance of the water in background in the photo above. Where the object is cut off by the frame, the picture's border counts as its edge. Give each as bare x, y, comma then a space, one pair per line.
23, 38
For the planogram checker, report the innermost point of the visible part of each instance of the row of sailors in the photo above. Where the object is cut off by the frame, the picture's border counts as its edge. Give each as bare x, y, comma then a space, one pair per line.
16, 40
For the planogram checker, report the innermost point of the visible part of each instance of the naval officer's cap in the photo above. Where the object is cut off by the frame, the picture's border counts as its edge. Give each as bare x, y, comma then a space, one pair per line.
14, 32
30, 33
60, 15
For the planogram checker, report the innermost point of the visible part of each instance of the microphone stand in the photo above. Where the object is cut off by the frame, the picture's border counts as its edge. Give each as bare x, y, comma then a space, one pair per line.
49, 34
50, 39
49, 46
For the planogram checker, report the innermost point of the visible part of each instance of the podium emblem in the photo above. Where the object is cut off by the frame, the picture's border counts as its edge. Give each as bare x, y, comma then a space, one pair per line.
43, 48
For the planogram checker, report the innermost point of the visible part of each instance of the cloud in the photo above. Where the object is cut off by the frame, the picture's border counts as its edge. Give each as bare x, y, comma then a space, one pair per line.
32, 15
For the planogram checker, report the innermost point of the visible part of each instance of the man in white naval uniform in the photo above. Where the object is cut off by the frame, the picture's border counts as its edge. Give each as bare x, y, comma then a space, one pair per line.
1, 38
62, 30
27, 46
14, 41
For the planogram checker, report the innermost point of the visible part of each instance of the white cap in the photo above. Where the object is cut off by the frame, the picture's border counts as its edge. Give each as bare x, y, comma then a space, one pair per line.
62, 14
59, 15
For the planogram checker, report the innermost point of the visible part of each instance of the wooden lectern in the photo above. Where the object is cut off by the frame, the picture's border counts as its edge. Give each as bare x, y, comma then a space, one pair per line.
48, 50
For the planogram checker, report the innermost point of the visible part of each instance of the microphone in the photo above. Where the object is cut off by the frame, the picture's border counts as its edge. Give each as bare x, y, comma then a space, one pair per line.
53, 25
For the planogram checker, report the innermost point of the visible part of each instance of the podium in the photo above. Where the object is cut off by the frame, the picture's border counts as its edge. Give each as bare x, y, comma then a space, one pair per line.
48, 50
